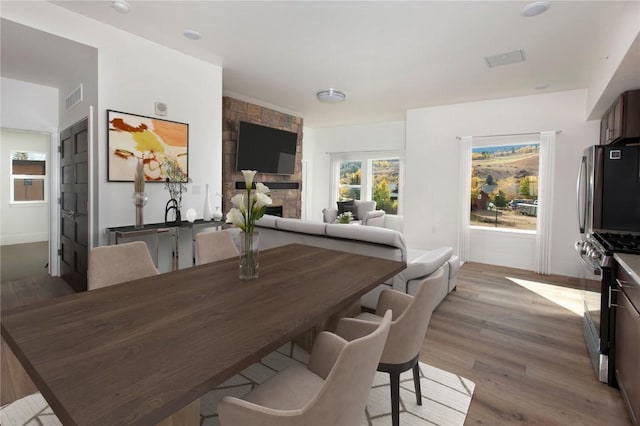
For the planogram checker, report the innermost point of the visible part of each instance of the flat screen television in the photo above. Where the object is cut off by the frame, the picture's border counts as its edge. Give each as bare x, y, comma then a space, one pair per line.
266, 149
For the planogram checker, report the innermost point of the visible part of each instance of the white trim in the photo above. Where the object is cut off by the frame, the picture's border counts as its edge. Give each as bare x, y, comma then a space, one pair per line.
464, 235
503, 230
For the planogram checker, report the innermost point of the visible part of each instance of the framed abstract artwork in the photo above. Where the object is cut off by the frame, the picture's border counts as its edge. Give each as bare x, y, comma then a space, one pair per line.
160, 144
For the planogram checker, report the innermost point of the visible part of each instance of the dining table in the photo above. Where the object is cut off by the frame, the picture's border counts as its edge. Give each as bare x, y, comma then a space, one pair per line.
138, 352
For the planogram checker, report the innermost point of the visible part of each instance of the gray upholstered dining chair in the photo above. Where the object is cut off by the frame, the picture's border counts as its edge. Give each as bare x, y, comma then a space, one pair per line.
212, 246
115, 264
332, 390
411, 316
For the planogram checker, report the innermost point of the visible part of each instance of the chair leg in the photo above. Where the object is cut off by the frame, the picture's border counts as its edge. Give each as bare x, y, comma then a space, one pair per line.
416, 383
395, 398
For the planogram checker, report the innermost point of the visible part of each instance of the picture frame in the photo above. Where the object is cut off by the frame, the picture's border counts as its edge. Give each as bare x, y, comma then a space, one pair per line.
131, 137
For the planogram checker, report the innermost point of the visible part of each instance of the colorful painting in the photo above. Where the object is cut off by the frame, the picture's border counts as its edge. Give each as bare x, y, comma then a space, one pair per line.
157, 142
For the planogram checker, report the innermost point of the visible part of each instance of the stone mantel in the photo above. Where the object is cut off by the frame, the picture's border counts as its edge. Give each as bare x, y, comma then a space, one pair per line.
287, 191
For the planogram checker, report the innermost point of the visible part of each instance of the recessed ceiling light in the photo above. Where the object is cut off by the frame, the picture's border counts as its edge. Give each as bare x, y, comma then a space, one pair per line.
192, 34
331, 96
121, 6
535, 8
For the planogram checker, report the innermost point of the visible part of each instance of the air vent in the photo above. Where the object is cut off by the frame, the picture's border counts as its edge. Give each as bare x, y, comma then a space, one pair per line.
505, 58
74, 98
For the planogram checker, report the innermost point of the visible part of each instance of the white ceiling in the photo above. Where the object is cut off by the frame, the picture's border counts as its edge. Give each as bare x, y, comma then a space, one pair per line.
387, 56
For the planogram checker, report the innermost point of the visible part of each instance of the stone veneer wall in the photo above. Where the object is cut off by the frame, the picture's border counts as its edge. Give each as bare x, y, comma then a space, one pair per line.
234, 111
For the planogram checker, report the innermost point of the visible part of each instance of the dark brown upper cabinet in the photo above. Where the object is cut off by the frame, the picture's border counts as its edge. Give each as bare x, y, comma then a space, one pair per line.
622, 120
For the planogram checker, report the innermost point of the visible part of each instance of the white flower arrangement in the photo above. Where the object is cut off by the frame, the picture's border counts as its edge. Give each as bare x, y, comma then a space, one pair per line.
346, 217
249, 207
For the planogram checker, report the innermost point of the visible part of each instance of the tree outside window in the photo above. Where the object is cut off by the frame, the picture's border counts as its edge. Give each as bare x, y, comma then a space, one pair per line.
504, 186
385, 184
370, 177
350, 180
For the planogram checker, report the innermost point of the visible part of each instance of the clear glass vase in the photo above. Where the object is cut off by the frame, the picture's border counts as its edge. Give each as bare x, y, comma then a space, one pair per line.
249, 255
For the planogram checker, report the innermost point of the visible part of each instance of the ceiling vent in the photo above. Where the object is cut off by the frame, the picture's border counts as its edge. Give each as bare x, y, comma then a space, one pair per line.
74, 98
505, 58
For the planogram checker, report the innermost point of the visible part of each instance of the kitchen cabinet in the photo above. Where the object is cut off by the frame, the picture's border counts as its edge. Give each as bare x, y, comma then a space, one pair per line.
627, 346
622, 119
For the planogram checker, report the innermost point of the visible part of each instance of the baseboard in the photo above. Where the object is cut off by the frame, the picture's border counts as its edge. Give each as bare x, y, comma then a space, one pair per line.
7, 240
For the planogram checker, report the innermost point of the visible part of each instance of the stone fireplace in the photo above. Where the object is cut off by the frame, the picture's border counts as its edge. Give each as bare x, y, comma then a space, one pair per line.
286, 190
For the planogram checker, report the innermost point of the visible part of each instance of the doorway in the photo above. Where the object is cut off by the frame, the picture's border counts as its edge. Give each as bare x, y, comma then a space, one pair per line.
25, 200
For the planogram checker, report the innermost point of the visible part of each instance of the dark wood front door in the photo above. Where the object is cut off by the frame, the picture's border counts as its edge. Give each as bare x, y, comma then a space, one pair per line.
74, 219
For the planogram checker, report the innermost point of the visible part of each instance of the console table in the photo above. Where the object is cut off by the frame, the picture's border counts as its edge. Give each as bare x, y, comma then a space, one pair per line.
154, 229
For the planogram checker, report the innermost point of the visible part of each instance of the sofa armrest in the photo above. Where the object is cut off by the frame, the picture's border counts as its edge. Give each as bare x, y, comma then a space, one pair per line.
329, 215
374, 218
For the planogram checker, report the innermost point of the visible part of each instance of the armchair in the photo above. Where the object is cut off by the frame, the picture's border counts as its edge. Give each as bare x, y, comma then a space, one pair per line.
332, 390
364, 211
212, 246
109, 265
411, 316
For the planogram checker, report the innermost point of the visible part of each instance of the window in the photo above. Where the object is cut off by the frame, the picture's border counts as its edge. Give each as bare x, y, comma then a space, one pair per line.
504, 186
350, 185
369, 176
28, 177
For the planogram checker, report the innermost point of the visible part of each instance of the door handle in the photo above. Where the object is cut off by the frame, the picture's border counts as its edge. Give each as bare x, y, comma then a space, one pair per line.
69, 214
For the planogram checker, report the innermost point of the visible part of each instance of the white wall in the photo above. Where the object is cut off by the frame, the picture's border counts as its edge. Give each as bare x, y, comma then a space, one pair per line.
22, 223
133, 73
432, 183
25, 106
319, 142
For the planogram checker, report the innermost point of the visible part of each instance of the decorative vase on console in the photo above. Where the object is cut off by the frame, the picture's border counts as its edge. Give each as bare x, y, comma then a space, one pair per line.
248, 208
217, 213
139, 197
207, 214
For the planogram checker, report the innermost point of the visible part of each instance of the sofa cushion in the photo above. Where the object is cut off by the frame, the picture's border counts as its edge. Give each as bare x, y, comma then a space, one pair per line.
302, 226
267, 221
367, 233
348, 206
329, 215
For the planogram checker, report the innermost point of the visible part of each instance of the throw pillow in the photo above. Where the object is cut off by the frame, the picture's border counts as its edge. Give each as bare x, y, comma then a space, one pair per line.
348, 206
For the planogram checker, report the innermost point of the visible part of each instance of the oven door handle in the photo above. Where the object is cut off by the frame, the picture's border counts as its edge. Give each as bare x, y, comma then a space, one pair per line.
611, 290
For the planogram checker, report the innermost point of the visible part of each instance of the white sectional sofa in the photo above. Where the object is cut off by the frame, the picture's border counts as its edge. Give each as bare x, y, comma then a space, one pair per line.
367, 240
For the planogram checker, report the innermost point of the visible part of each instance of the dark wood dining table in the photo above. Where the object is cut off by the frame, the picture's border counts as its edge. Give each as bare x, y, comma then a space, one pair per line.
138, 352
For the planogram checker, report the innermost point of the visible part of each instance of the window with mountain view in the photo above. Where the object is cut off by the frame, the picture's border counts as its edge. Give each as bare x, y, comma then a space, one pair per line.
370, 178
504, 186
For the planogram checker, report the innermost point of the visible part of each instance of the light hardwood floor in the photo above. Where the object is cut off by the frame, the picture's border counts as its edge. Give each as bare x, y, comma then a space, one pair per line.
510, 331
524, 352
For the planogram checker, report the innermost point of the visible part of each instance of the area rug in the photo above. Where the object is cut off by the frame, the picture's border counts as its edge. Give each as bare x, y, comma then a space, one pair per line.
445, 396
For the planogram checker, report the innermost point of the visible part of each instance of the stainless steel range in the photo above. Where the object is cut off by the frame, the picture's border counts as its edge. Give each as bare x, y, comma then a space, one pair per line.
609, 219
600, 298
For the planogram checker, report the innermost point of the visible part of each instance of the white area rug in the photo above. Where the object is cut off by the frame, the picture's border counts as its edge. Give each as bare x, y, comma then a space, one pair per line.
445, 396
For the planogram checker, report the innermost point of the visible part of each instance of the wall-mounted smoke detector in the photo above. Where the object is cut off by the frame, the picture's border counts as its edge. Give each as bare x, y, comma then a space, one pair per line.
505, 58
